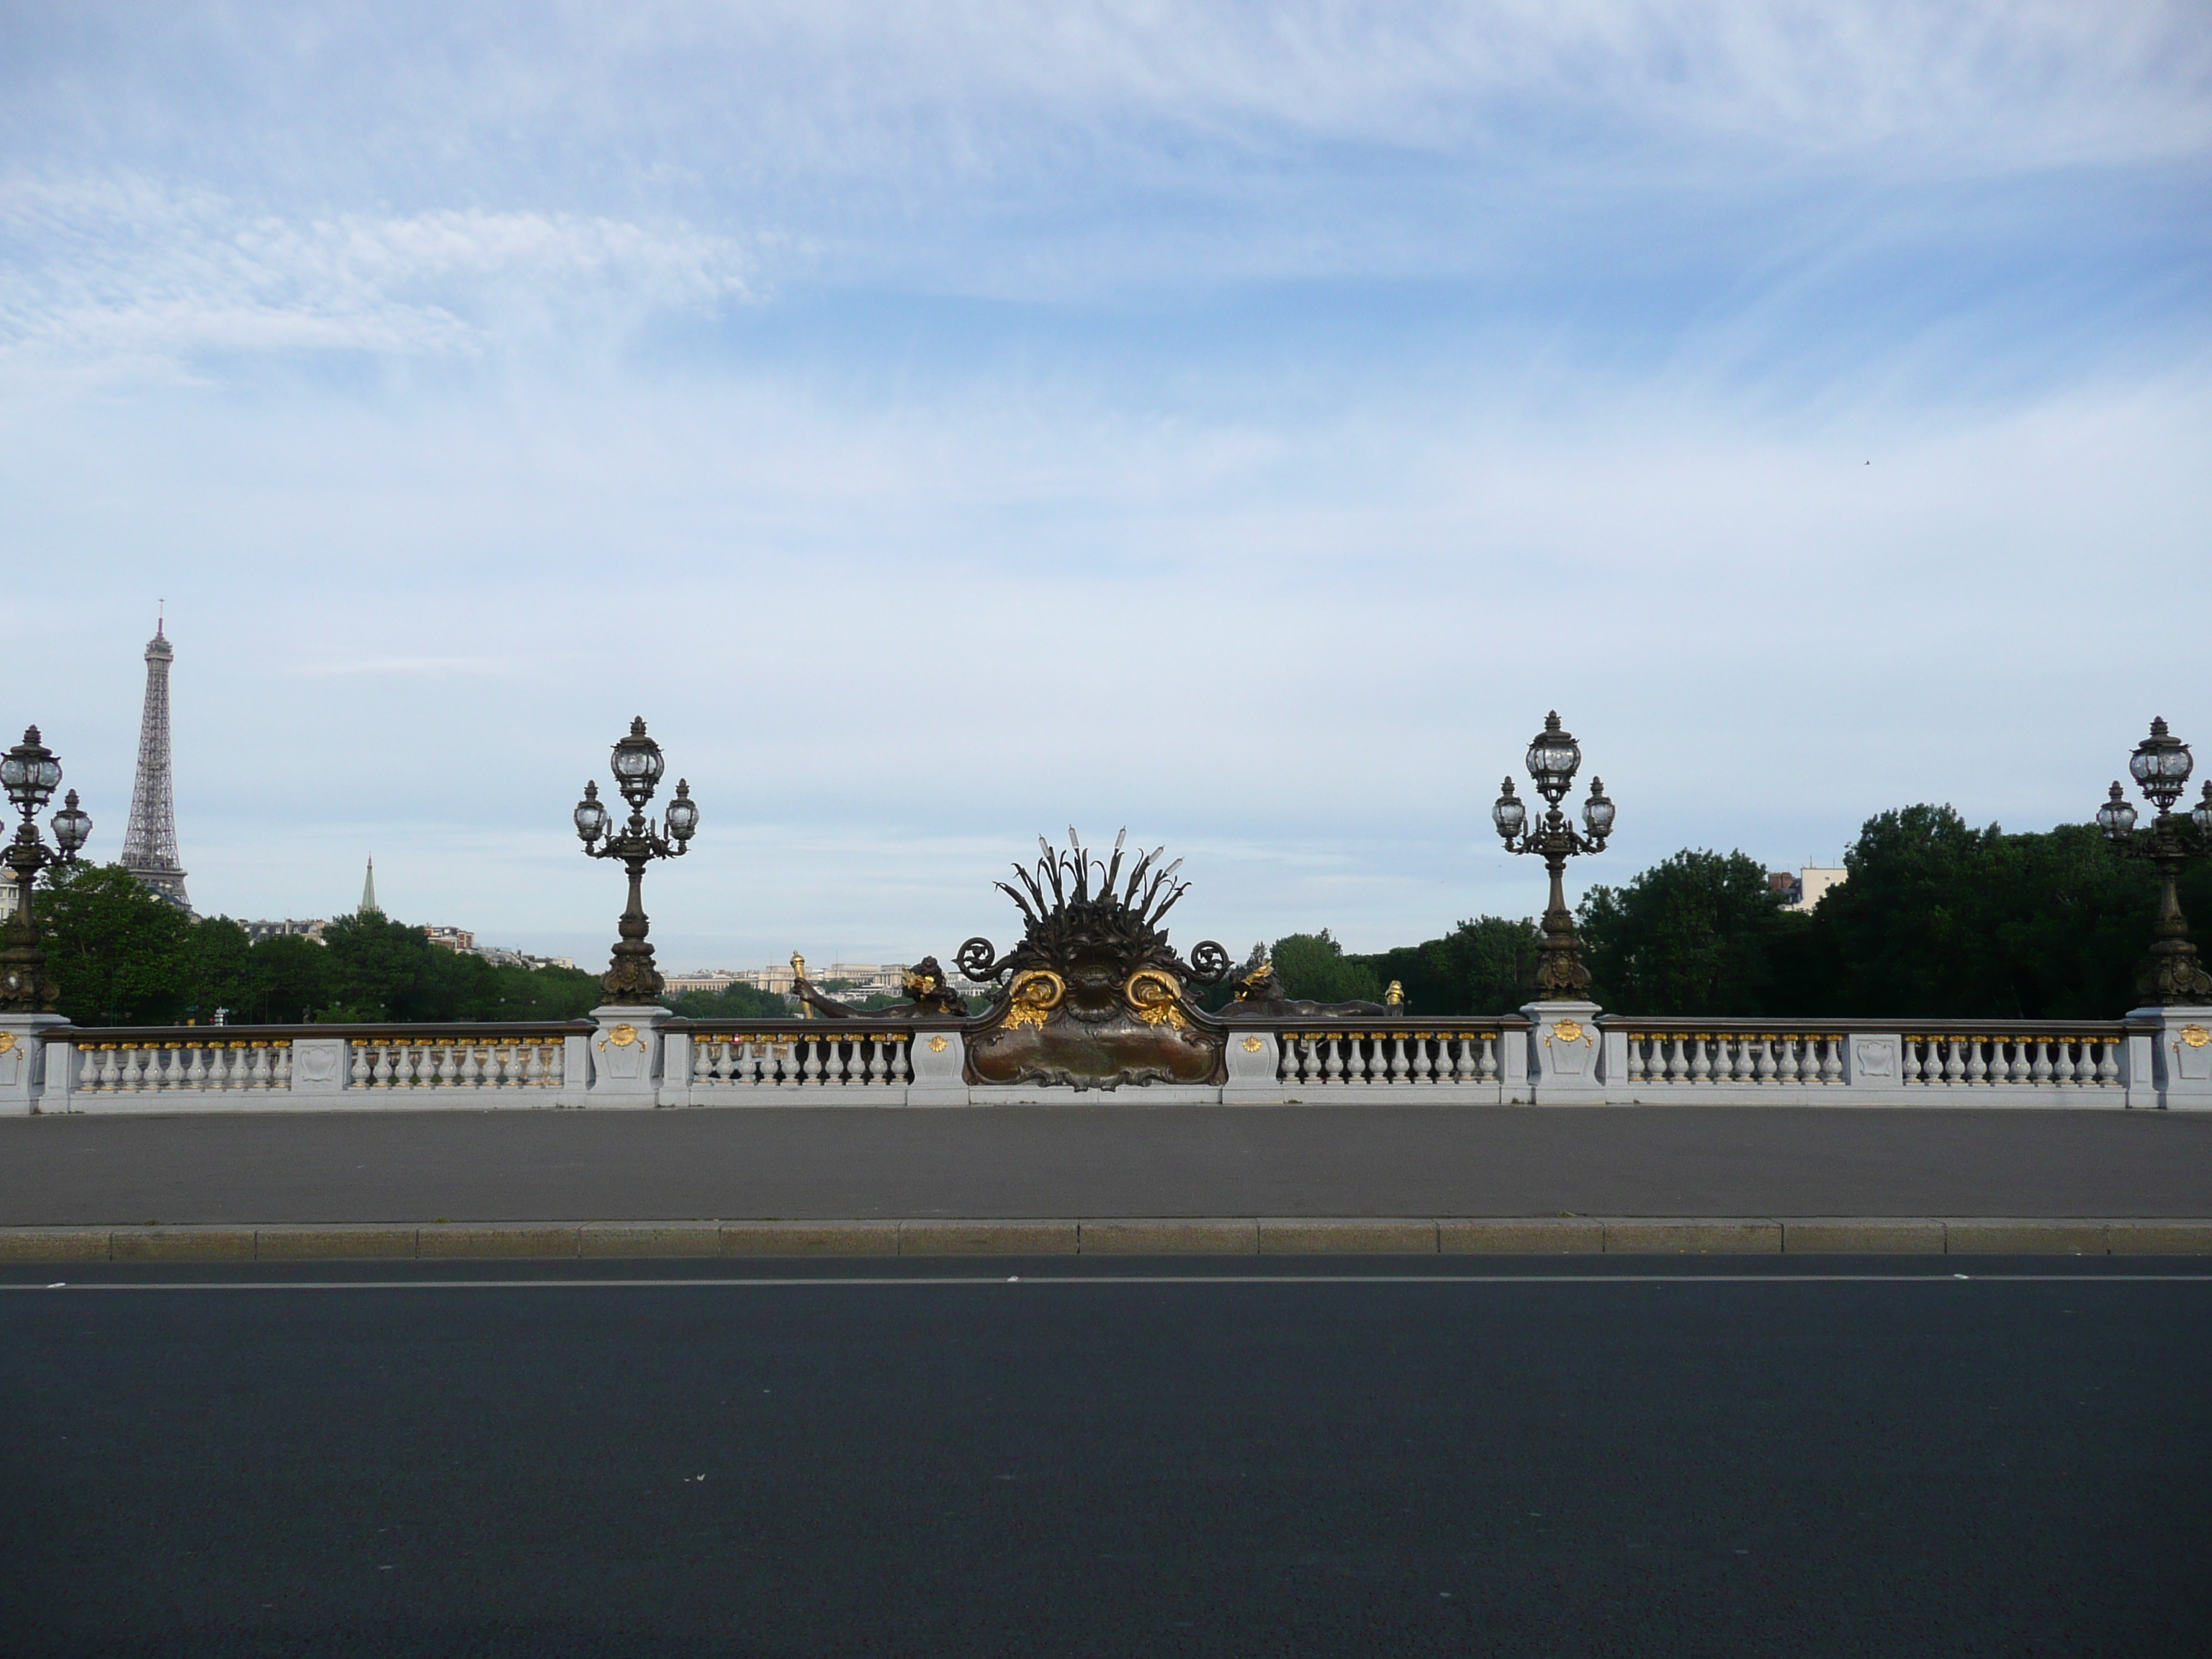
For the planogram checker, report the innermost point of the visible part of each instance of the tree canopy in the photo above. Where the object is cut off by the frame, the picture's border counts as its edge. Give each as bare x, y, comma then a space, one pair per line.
1936, 919
121, 957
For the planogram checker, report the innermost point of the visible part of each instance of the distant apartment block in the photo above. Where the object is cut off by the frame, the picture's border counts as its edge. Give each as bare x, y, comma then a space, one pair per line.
1804, 890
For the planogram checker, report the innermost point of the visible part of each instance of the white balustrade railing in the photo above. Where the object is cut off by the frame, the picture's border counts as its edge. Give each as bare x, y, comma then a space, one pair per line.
445, 1063
812, 1059
1899, 1063
307, 1065
196, 1065
1564, 1055
1734, 1057
1970, 1061
1324, 1059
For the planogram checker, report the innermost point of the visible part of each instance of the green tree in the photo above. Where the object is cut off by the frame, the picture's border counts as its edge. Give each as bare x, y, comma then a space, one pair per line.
382, 969
1485, 966
1314, 966
1700, 932
734, 1003
287, 980
220, 971
1943, 921
117, 955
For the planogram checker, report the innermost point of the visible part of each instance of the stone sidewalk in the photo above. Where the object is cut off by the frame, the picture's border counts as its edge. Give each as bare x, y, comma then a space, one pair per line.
906, 1165
1118, 1236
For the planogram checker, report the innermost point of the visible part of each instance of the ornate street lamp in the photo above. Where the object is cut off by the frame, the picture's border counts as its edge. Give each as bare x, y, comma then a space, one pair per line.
1553, 758
31, 774
637, 766
2161, 766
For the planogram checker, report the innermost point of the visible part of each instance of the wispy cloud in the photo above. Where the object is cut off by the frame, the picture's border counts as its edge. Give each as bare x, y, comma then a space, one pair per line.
946, 420
127, 268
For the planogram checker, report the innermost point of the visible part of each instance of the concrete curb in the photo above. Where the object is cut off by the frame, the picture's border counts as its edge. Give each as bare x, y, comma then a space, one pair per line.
1122, 1236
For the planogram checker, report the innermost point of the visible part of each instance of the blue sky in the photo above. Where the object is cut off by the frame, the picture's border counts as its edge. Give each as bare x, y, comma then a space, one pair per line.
947, 422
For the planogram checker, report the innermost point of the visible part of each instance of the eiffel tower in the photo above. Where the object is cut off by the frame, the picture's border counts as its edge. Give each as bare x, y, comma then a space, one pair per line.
149, 845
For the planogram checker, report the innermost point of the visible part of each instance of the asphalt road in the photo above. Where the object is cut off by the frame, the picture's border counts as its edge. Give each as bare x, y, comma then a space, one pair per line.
1653, 1460
1063, 1161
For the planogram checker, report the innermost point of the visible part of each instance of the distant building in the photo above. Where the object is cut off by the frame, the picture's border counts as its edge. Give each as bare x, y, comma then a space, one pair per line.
856, 980
453, 938
1804, 890
258, 931
9, 902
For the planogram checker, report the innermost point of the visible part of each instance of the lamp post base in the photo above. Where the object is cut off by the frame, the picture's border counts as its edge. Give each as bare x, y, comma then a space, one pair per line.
1563, 1053
2170, 1057
23, 1060
625, 1054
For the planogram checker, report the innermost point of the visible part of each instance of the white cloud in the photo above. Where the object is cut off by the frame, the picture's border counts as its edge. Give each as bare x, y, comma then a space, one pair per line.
108, 268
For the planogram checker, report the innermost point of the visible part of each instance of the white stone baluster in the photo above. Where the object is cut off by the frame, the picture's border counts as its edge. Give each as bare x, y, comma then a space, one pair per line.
1954, 1063
1976, 1070
279, 1066
1487, 1072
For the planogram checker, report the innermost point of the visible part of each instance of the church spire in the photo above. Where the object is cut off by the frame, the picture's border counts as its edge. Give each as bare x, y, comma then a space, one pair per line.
369, 904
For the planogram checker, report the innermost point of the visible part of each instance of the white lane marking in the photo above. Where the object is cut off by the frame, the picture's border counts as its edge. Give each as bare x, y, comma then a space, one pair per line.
1123, 1278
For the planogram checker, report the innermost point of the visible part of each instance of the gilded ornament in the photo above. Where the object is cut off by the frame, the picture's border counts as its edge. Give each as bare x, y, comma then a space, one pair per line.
1034, 994
2195, 1035
1154, 993
1568, 1030
6, 1041
1253, 1045
937, 1044
624, 1034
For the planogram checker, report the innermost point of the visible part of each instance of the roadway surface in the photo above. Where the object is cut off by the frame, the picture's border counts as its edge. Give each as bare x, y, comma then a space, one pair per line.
846, 1162
1651, 1459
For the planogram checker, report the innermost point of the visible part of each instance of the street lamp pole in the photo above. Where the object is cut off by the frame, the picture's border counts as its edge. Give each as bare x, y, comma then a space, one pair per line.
2160, 766
637, 765
1553, 758
31, 773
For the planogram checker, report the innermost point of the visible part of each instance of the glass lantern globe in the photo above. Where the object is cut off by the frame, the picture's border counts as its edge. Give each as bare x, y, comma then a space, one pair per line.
30, 772
683, 813
2161, 764
1597, 811
72, 826
1509, 815
2201, 814
2115, 817
591, 816
638, 764
1553, 754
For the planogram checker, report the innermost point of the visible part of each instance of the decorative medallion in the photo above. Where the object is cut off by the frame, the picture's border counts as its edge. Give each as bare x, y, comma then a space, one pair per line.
6, 1041
1095, 996
1253, 1045
624, 1034
938, 1044
1568, 1030
2195, 1035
